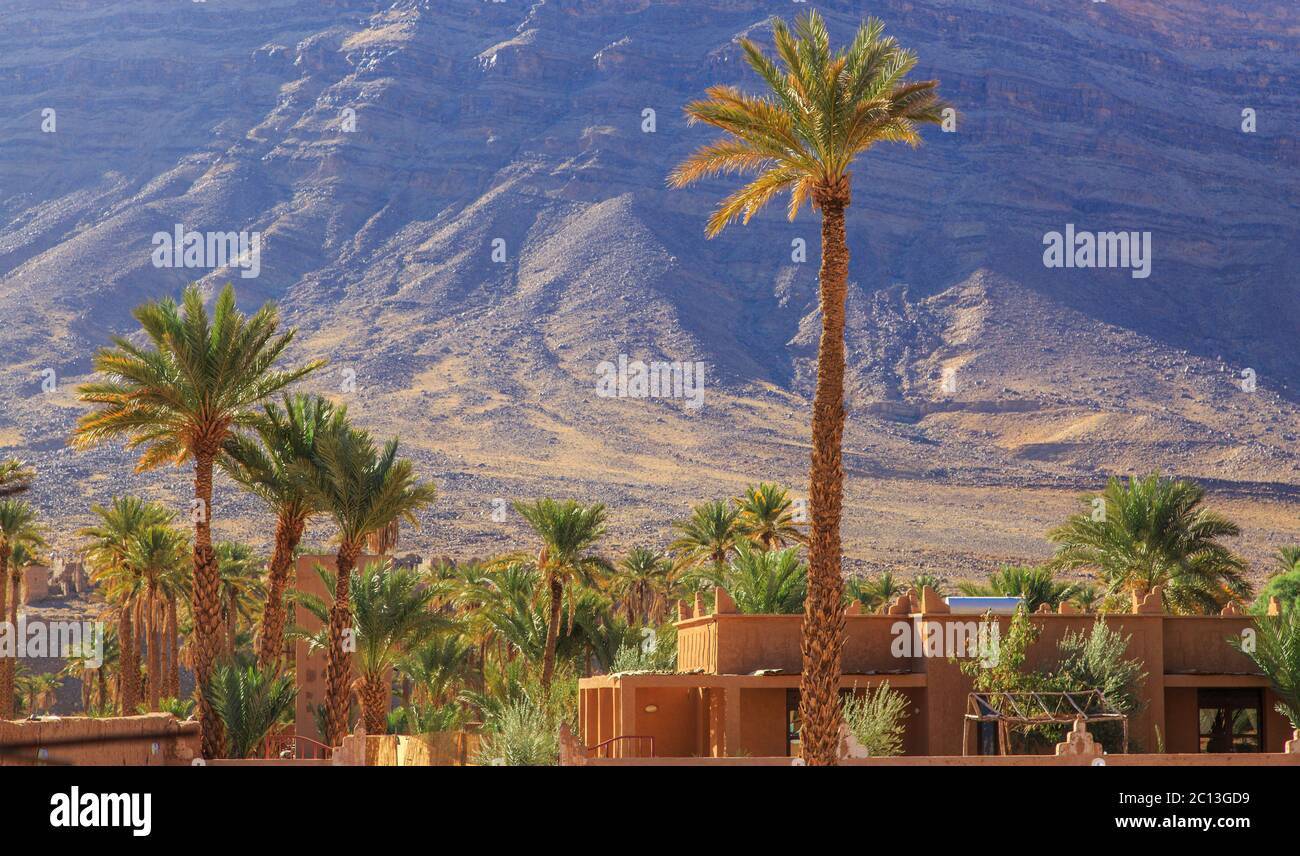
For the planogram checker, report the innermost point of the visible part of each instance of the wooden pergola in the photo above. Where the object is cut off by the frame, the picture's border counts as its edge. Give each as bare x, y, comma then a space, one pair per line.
1029, 709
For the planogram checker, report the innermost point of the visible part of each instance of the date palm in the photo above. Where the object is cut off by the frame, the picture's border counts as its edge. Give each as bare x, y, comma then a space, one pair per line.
767, 518
392, 611
1155, 531
15, 477
708, 537
645, 583
820, 110
111, 541
568, 530
240, 570
765, 582
874, 592
1276, 651
18, 529
263, 463
155, 553
363, 489
179, 398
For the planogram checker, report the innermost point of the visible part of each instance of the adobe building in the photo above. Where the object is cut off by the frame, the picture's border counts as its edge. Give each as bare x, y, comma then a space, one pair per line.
736, 692
36, 584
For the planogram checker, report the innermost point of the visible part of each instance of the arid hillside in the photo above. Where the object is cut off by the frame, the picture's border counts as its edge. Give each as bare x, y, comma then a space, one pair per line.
462, 205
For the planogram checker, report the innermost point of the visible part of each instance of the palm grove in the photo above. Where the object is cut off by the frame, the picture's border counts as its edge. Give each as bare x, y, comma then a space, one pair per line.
501, 642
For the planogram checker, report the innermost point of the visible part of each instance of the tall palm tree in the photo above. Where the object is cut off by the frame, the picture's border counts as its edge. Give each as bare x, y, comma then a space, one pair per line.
18, 528
15, 477
708, 537
240, 570
567, 530
391, 608
109, 557
820, 112
645, 584
766, 517
363, 489
179, 399
285, 436
1155, 531
154, 553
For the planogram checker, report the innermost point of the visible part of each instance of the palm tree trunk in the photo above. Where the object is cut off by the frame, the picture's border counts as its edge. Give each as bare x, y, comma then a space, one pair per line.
8, 663
206, 604
155, 659
823, 621
173, 651
270, 639
375, 693
101, 678
128, 676
338, 671
552, 630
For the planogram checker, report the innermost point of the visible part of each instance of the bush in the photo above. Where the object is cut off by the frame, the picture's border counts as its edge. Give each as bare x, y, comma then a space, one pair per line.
656, 653
876, 719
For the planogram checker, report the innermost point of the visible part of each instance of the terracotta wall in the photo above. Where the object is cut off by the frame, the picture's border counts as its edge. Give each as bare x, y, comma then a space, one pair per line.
154, 739
36, 583
741, 644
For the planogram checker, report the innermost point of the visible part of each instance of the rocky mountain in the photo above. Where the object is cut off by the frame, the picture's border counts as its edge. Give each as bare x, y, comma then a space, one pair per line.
462, 204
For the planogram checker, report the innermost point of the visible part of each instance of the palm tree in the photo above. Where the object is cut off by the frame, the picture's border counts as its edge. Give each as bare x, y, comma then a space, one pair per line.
567, 530
250, 702
1277, 653
766, 518
285, 436
38, 691
1287, 560
108, 554
15, 477
240, 570
112, 540
17, 527
708, 536
1154, 531
1034, 586
438, 664
764, 582
155, 553
823, 110
363, 489
179, 399
391, 607
876, 591
644, 584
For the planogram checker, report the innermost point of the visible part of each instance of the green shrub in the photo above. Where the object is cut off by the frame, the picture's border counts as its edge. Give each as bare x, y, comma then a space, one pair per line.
876, 719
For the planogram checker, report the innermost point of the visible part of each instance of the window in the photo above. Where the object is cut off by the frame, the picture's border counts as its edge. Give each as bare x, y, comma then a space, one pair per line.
793, 748
1231, 720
